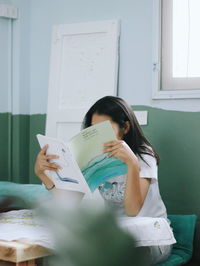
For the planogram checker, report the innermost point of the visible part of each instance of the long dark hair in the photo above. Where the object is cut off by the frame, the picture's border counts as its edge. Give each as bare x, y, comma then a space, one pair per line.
120, 112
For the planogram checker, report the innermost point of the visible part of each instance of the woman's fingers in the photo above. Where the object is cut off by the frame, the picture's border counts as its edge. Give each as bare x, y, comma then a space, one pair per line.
114, 153
53, 166
52, 156
110, 149
50, 168
42, 162
44, 149
112, 145
120, 150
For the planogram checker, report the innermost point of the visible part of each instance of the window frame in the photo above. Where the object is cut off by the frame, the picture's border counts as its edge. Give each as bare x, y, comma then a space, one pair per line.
157, 93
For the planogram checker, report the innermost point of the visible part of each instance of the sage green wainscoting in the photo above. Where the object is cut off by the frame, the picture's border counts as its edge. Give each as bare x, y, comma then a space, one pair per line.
5, 141
37, 126
176, 137
174, 134
19, 146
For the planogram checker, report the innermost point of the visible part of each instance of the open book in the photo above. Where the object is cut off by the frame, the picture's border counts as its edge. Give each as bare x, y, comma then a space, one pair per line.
84, 165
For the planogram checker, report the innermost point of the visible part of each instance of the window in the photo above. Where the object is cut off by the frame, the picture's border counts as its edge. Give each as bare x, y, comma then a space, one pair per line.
176, 65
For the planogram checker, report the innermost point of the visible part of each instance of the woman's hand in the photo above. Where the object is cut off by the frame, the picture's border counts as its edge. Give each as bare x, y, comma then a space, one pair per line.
136, 187
42, 163
119, 149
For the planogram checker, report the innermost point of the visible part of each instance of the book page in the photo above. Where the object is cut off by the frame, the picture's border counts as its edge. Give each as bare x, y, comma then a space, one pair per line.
87, 148
70, 176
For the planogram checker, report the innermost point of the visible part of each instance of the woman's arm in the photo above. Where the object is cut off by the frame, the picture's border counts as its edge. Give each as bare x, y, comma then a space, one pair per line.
42, 163
136, 187
136, 190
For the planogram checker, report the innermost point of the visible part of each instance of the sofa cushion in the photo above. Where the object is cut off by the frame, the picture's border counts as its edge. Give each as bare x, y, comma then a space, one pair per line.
183, 227
21, 196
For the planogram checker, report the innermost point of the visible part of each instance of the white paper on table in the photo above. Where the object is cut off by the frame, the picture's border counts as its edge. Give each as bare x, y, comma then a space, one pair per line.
26, 225
148, 231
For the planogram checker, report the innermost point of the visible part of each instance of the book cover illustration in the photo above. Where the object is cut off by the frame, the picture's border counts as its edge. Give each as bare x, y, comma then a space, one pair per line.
69, 176
87, 148
83, 156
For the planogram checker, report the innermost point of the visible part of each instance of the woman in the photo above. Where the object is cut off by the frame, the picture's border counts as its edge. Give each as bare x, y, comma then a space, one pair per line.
137, 192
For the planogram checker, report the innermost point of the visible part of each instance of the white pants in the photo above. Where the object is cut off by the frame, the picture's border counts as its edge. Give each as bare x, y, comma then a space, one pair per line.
156, 254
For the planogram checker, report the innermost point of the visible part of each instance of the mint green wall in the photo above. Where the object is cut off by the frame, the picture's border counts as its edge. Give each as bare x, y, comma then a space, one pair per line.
175, 135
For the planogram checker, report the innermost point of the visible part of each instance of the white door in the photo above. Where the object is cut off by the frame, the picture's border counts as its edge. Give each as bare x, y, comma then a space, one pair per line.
83, 68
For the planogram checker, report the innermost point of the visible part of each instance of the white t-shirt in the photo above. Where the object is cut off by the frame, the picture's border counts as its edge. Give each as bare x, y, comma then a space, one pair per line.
113, 191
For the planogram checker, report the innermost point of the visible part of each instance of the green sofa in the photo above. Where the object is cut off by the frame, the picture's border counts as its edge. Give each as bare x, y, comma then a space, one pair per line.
15, 196
183, 227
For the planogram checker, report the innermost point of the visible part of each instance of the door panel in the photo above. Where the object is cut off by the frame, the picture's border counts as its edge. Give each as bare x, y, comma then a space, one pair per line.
84, 68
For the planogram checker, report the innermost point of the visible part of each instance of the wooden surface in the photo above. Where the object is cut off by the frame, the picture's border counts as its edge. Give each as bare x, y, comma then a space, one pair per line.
26, 263
20, 251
